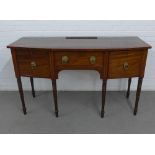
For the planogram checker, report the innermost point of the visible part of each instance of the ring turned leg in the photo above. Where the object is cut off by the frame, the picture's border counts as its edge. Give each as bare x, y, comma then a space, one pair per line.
21, 94
128, 91
32, 86
104, 85
140, 80
55, 97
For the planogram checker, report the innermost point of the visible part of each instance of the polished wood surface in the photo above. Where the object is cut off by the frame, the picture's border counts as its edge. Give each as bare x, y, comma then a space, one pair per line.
112, 57
105, 43
132, 60
79, 58
34, 62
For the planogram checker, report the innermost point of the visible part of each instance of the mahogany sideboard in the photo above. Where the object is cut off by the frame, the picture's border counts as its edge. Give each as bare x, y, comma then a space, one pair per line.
112, 57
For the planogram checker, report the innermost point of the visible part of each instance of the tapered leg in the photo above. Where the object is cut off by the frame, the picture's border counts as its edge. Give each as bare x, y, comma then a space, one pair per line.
104, 85
55, 96
140, 80
128, 91
21, 94
32, 86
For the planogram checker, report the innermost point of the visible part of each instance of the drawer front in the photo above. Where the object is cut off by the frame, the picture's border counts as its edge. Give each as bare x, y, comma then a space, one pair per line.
33, 62
75, 59
125, 64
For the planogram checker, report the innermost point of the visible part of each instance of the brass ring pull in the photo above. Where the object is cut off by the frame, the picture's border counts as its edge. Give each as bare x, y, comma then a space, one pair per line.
92, 59
65, 59
126, 66
33, 65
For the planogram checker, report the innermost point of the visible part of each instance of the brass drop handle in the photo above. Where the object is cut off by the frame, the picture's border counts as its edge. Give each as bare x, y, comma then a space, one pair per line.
126, 66
92, 59
65, 59
33, 65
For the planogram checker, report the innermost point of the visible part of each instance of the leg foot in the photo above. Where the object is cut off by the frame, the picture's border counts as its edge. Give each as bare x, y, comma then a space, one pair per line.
56, 114
135, 112
102, 114
24, 111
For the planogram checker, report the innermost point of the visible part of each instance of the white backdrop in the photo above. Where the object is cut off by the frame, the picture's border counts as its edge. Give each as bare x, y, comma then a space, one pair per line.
74, 80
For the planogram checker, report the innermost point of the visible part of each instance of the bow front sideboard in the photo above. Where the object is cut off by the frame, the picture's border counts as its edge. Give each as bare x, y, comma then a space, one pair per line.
112, 57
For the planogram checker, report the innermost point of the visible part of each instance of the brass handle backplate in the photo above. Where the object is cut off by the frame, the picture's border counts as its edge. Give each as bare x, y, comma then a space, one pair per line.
92, 59
126, 66
33, 65
64, 59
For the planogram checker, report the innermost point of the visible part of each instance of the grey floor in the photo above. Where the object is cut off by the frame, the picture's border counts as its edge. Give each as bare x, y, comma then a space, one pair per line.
79, 113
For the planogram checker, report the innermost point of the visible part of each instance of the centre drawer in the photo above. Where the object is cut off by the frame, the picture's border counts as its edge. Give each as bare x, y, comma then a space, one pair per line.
125, 64
33, 62
78, 58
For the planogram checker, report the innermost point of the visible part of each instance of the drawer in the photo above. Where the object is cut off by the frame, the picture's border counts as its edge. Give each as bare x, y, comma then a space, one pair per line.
33, 62
125, 64
78, 58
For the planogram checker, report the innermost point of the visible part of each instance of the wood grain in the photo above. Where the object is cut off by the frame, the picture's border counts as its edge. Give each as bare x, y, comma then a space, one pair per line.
42, 59
105, 43
78, 58
117, 61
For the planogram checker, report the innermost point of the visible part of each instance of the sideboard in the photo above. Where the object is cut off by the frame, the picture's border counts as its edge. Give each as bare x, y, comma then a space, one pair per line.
112, 57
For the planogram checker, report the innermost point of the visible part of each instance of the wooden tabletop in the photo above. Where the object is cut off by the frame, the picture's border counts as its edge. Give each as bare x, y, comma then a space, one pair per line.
107, 43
